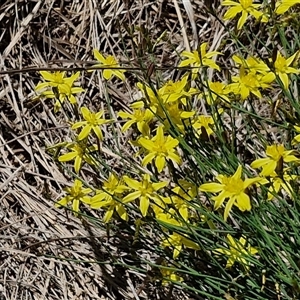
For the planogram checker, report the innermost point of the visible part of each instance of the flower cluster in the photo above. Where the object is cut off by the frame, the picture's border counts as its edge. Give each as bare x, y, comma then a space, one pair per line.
177, 131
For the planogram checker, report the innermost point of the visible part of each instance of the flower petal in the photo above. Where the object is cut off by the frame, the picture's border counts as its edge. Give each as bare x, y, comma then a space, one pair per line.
211, 187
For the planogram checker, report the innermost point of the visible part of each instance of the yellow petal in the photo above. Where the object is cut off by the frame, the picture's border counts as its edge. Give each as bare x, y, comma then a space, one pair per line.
211, 187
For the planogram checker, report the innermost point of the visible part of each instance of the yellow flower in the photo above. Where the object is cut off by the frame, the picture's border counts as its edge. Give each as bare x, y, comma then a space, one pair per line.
252, 64
76, 194
174, 91
199, 59
61, 87
249, 83
281, 182
92, 122
206, 123
169, 275
144, 190
215, 91
164, 214
109, 62
160, 148
283, 5
276, 154
232, 188
79, 152
183, 193
112, 190
245, 7
173, 113
177, 241
55, 79
237, 252
282, 68
65, 93
244, 85
141, 117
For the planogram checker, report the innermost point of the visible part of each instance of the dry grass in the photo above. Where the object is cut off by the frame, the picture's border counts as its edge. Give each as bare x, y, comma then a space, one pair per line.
47, 253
